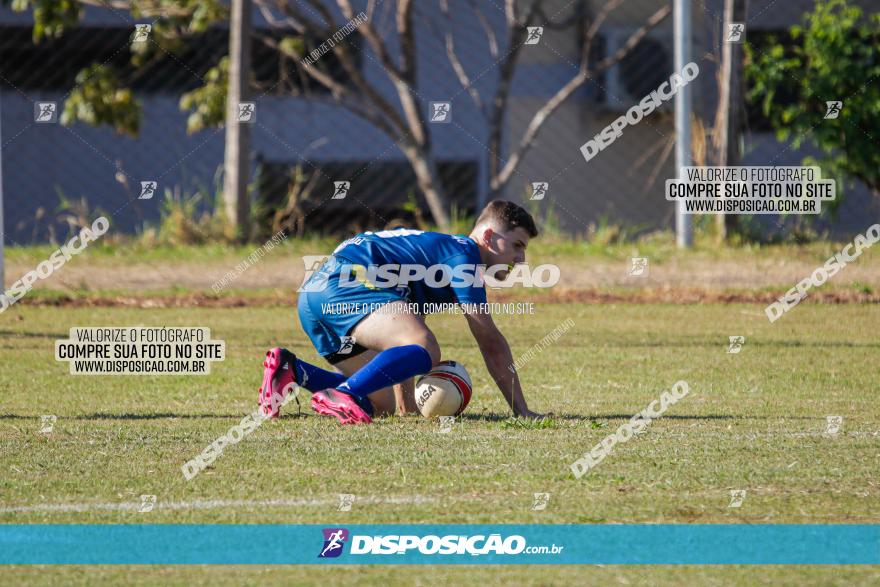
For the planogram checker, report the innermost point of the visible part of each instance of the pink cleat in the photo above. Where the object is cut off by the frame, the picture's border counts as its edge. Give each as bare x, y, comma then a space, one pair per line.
332, 402
279, 378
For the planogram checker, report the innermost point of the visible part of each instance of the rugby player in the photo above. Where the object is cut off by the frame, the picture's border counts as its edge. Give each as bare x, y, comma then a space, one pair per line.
378, 340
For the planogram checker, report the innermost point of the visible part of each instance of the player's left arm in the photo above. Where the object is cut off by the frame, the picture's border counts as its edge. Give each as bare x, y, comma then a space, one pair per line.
499, 361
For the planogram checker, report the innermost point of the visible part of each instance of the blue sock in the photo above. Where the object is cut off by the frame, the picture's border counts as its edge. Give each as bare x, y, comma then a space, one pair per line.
387, 368
314, 378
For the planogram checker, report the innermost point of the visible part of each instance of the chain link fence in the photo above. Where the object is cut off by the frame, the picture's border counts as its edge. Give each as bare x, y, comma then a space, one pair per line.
333, 152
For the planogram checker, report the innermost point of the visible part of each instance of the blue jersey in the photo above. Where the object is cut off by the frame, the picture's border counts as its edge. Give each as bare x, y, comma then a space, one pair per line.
425, 249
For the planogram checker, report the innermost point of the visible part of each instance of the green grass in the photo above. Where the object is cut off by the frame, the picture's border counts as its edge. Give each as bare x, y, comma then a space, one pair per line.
753, 421
659, 246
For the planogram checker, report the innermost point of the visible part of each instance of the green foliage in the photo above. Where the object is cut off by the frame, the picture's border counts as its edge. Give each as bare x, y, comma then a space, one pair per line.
185, 220
549, 225
836, 56
99, 98
203, 13
207, 103
413, 207
193, 16
546, 423
77, 214
164, 39
606, 233
460, 222
292, 47
51, 17
863, 287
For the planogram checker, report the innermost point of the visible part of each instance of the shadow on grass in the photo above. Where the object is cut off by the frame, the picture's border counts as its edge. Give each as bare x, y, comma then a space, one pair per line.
23, 334
721, 342
493, 417
485, 417
156, 416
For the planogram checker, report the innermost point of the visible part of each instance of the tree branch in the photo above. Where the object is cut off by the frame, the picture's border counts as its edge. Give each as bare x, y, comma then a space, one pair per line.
575, 17
600, 19
633, 39
573, 84
510, 13
408, 81
318, 7
516, 39
144, 8
457, 66
407, 40
487, 28
276, 22
375, 41
382, 114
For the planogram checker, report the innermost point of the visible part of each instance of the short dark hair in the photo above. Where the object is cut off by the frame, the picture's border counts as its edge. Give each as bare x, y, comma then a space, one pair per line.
508, 216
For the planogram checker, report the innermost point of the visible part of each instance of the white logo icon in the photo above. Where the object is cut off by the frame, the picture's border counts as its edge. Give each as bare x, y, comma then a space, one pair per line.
541, 501
148, 190
446, 423
340, 189
247, 112
736, 497
736, 344
735, 32
47, 423
833, 424
534, 35
147, 503
141, 33
345, 502
638, 266
334, 543
311, 281
539, 190
441, 112
45, 112
346, 345
833, 109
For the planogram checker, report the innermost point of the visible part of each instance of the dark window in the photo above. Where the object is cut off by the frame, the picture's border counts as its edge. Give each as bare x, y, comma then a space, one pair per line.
645, 67
378, 195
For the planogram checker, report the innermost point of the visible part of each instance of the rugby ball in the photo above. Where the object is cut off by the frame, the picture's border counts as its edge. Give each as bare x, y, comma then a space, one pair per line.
444, 391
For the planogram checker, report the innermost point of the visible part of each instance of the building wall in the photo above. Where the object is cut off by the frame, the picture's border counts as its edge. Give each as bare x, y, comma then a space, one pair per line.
622, 184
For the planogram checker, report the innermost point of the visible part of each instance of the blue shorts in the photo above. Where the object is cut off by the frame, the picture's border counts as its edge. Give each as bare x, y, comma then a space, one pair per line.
328, 313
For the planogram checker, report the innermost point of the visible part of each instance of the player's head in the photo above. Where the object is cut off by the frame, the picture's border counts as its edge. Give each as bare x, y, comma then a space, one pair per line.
502, 232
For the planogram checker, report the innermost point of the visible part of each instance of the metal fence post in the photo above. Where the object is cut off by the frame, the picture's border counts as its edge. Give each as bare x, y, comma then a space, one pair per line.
684, 234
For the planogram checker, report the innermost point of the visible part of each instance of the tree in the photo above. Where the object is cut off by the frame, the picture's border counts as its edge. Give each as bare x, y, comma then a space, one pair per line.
518, 22
404, 122
402, 119
835, 56
237, 148
727, 128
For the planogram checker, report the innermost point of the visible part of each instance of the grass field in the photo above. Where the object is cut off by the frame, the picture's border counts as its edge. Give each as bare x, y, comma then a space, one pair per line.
753, 421
107, 268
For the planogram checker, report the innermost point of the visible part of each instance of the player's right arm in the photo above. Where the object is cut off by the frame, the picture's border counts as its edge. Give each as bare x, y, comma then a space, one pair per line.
499, 361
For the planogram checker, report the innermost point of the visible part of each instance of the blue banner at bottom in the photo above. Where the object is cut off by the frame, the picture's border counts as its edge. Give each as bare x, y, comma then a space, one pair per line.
768, 544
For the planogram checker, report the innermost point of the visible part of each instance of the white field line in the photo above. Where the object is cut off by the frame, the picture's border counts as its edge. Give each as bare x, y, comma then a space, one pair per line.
205, 504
